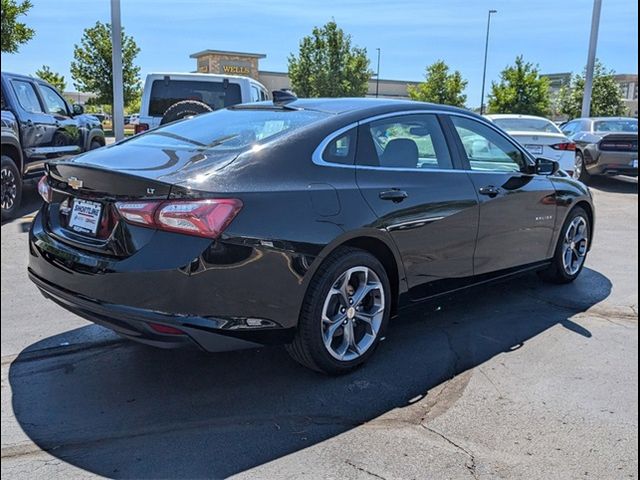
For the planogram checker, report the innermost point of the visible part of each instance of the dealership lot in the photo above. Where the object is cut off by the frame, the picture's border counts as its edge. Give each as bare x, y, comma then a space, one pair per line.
519, 380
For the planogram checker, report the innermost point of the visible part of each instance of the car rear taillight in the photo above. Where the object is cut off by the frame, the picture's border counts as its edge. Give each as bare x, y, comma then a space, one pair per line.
564, 146
204, 218
45, 190
141, 127
165, 329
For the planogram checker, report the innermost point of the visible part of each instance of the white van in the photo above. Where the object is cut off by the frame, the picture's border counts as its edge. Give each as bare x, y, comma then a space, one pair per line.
171, 96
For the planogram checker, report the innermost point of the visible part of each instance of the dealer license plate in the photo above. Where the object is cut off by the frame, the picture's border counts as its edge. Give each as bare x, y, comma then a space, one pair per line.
534, 149
85, 216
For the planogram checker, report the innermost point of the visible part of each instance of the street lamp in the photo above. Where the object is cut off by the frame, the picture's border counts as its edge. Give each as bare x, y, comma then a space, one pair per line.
378, 73
486, 51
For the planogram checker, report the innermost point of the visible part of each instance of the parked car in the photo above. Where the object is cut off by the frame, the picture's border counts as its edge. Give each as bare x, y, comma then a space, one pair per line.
168, 97
540, 136
37, 125
604, 146
134, 119
303, 222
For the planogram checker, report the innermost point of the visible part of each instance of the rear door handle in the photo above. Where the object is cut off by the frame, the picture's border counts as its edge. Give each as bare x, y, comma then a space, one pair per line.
394, 195
489, 190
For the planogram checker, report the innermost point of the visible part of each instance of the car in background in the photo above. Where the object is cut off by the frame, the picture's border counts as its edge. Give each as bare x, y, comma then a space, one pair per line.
540, 136
306, 222
604, 146
134, 118
38, 125
168, 97
102, 117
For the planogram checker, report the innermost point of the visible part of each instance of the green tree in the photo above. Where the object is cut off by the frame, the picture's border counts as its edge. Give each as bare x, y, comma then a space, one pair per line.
54, 78
14, 33
328, 66
91, 68
606, 100
521, 90
440, 86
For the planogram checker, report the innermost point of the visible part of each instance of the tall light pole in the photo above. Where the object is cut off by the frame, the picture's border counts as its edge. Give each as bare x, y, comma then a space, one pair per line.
591, 59
486, 52
117, 119
378, 73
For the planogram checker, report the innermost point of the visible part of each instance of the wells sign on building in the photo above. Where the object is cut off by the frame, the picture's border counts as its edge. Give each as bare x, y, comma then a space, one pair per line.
228, 63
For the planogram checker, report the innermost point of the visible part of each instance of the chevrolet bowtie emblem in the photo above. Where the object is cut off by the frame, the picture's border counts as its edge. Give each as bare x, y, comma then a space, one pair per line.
74, 183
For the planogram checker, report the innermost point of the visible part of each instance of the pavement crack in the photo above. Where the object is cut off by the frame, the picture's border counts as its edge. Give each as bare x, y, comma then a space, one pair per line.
364, 470
471, 464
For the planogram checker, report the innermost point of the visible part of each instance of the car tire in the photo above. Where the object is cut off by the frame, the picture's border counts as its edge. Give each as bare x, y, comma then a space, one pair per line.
183, 109
327, 319
95, 144
580, 171
11, 195
570, 254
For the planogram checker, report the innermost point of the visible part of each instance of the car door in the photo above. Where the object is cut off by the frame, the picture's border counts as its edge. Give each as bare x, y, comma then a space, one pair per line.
407, 175
33, 121
66, 137
517, 208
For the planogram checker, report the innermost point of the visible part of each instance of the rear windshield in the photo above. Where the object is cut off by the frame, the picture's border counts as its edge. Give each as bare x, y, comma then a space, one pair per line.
228, 129
217, 95
630, 126
539, 125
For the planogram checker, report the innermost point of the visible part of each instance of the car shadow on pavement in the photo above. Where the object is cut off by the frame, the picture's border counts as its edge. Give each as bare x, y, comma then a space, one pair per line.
124, 410
615, 184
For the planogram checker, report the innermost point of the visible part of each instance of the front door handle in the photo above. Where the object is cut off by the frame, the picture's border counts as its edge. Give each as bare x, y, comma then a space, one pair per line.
489, 190
394, 195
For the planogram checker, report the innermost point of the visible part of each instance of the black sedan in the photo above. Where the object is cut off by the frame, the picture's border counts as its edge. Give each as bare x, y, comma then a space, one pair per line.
308, 223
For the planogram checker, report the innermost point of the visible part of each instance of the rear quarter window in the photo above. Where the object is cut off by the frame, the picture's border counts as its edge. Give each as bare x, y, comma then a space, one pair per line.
217, 95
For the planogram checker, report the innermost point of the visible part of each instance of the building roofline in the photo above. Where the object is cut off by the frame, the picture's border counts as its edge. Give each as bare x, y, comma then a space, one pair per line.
227, 52
372, 79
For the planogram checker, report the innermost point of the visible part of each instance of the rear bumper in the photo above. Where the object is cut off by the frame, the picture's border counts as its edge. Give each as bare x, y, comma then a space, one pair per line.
615, 163
186, 283
135, 323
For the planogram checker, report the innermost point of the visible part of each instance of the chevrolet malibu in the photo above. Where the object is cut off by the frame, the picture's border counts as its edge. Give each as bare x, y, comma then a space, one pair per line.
308, 223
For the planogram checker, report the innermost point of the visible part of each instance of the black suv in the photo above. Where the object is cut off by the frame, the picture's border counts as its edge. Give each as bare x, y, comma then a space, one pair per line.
38, 125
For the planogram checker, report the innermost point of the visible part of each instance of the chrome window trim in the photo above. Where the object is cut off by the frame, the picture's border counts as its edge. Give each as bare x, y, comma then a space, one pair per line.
316, 157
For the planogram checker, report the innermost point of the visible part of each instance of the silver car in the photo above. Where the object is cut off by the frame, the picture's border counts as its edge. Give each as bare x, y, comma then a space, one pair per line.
604, 146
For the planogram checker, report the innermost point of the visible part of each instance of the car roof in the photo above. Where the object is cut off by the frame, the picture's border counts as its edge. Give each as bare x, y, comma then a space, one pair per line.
360, 105
20, 75
496, 116
592, 119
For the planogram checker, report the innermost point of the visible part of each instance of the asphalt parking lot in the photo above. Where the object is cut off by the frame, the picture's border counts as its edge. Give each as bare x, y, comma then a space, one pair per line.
517, 380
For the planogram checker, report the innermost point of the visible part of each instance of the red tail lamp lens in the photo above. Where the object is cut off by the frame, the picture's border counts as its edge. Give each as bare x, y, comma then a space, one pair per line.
165, 329
45, 190
204, 218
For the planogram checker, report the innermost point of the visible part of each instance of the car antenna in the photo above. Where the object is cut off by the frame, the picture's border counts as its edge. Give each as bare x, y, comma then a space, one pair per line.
283, 96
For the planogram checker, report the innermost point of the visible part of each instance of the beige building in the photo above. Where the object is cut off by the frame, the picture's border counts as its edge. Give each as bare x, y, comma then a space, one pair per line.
628, 84
241, 63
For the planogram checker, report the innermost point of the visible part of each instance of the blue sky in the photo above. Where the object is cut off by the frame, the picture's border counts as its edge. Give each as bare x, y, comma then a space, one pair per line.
411, 33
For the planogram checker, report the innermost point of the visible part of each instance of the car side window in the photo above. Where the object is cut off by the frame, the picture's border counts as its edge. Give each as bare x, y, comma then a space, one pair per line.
341, 149
406, 141
27, 96
569, 128
486, 149
255, 94
54, 102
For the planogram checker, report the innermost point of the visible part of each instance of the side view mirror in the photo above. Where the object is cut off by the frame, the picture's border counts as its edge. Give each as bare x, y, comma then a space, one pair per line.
545, 166
77, 109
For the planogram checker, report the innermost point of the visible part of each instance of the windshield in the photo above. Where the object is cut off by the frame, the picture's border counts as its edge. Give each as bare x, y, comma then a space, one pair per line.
540, 125
618, 125
228, 129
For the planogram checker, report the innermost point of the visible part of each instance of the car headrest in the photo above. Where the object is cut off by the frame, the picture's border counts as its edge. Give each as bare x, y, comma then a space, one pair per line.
400, 153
